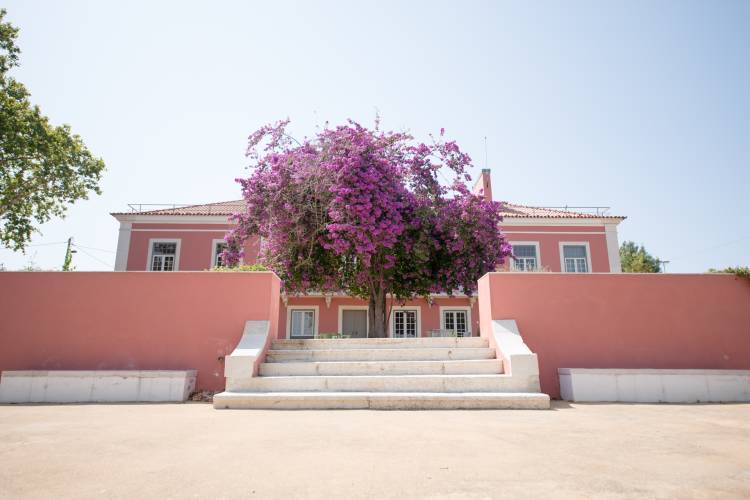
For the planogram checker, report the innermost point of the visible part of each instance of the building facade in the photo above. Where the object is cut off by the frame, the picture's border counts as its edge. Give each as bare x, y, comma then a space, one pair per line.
191, 238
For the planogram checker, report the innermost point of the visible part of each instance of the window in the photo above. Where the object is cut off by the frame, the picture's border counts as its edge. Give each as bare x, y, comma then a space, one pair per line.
302, 323
456, 321
575, 258
526, 258
405, 323
163, 256
219, 246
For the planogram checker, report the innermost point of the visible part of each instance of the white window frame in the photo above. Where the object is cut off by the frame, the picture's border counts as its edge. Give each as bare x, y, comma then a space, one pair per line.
351, 308
575, 243
466, 309
151, 242
316, 319
214, 253
392, 322
535, 244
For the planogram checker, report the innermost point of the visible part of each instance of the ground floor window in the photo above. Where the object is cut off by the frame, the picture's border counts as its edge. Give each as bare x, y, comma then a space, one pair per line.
163, 256
302, 323
575, 259
405, 323
456, 321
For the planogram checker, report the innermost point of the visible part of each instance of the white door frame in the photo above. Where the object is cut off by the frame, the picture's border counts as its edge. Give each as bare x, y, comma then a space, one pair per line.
466, 309
392, 322
352, 308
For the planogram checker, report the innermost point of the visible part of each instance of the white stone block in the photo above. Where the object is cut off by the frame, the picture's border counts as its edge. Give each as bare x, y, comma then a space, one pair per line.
381, 401
90, 386
648, 387
379, 343
654, 385
15, 390
728, 387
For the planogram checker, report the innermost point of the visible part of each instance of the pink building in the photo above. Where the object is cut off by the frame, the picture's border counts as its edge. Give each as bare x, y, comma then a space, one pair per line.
190, 238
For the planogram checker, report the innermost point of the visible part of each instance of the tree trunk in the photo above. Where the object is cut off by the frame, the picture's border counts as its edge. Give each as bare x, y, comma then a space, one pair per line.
377, 315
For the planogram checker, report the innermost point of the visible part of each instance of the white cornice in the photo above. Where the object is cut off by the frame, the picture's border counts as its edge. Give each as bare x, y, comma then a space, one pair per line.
174, 219
531, 221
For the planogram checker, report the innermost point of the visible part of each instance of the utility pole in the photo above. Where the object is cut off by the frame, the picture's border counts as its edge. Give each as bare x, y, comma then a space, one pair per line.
663, 264
67, 263
486, 156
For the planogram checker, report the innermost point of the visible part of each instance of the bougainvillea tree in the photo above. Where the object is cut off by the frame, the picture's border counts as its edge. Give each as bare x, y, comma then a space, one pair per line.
363, 212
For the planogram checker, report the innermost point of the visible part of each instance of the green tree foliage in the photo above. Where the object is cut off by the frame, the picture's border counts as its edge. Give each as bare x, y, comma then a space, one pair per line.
739, 271
43, 168
635, 259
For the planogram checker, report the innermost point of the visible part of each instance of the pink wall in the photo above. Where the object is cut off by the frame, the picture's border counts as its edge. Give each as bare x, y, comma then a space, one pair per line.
328, 320
623, 320
549, 243
196, 244
483, 185
111, 320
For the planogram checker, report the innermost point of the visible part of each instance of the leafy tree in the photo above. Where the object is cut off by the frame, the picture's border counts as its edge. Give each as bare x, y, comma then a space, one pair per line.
635, 259
739, 271
362, 211
43, 168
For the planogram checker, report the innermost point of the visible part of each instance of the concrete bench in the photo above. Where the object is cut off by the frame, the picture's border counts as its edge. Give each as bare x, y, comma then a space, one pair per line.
654, 385
96, 386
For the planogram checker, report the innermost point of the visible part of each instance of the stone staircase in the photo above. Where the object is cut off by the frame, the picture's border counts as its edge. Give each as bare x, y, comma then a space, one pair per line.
388, 374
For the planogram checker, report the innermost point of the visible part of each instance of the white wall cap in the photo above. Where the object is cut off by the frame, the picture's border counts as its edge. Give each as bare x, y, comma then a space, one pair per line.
519, 360
241, 362
648, 371
508, 337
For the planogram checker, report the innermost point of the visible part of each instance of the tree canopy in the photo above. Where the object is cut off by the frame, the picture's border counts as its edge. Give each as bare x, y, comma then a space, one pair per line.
362, 211
635, 259
43, 168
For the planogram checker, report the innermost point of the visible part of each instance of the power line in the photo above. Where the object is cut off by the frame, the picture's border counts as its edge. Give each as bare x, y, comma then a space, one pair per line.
96, 258
47, 244
714, 247
92, 248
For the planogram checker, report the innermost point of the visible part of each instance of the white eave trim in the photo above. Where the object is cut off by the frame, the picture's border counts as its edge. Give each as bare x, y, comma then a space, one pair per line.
174, 219
531, 221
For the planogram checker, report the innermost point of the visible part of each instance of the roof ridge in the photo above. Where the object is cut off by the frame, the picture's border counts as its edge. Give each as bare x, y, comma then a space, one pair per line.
562, 211
229, 207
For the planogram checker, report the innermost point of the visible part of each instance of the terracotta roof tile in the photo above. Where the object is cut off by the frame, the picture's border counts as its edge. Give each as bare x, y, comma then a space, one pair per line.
509, 210
220, 208
523, 211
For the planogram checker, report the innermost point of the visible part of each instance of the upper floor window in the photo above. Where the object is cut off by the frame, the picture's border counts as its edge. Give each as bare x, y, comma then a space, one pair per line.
575, 258
526, 257
219, 246
163, 255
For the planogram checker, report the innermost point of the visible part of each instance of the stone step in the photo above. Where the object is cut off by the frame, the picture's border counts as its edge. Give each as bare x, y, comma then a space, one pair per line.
381, 400
387, 343
382, 354
343, 368
381, 383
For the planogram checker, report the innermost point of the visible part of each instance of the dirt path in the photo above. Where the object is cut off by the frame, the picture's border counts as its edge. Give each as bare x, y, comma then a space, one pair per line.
194, 451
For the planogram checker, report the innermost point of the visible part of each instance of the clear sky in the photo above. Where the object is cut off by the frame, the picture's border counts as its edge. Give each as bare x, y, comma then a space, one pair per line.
640, 106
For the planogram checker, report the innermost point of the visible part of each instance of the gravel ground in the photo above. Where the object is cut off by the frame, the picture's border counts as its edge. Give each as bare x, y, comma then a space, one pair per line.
193, 451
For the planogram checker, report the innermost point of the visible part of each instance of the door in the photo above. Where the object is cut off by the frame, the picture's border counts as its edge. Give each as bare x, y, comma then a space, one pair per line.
405, 324
354, 323
457, 322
